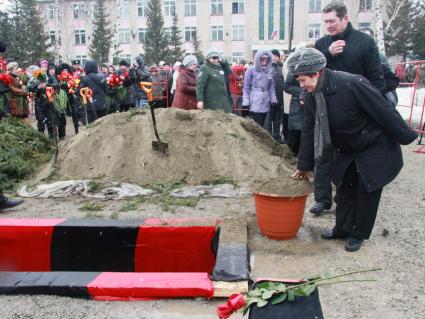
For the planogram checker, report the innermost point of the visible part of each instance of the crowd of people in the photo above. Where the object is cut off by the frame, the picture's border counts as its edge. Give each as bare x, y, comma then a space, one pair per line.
342, 123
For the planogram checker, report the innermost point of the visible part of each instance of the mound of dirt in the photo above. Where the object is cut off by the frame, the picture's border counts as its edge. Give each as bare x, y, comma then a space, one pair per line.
203, 147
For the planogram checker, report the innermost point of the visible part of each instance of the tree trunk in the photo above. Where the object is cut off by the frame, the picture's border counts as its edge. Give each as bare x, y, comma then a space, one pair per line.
379, 12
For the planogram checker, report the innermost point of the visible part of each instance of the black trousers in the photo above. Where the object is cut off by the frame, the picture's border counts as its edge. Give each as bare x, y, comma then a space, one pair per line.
355, 208
323, 177
260, 118
285, 121
294, 141
274, 120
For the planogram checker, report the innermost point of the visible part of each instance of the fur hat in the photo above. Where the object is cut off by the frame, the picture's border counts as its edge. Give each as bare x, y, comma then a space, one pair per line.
276, 52
11, 65
124, 62
213, 52
189, 60
306, 61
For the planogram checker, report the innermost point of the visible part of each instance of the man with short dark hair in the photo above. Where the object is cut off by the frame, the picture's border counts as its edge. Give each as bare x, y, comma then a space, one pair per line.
348, 50
5, 202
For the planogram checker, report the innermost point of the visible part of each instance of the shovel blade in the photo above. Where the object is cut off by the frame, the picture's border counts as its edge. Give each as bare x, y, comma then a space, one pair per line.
161, 147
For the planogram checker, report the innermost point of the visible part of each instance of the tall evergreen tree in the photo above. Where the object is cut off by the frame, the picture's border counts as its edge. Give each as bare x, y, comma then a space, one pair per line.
156, 43
5, 28
28, 41
398, 36
100, 46
197, 48
176, 44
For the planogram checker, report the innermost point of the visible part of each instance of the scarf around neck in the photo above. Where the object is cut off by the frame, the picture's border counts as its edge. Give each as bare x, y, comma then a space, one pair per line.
322, 136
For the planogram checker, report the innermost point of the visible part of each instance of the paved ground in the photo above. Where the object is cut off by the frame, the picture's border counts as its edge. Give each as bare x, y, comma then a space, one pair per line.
397, 245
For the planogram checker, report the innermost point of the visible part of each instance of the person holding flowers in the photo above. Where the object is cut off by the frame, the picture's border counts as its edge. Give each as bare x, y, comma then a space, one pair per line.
5, 81
18, 103
68, 85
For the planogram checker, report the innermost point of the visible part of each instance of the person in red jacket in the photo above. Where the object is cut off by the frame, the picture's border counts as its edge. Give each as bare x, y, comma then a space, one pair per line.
185, 94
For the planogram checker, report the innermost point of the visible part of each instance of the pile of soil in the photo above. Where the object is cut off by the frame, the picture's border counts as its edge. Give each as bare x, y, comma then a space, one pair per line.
204, 147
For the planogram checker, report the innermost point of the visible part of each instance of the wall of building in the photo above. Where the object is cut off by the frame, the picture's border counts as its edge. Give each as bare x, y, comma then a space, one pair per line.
265, 25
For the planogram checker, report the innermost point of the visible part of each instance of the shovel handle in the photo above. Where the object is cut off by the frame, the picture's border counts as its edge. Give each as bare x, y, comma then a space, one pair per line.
147, 88
86, 93
50, 92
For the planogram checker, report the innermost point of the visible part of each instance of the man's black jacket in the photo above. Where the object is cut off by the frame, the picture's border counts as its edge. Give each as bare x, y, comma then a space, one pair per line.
360, 55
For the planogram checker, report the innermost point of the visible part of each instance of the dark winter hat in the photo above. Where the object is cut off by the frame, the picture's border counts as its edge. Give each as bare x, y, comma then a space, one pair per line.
64, 66
124, 62
3, 47
51, 66
276, 52
306, 61
75, 62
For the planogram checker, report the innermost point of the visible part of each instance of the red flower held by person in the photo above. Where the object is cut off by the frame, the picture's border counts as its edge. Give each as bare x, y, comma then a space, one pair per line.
114, 80
65, 76
6, 79
233, 304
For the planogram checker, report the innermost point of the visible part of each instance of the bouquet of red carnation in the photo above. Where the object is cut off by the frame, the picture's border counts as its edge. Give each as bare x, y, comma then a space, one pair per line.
114, 80
65, 76
124, 76
74, 83
6, 79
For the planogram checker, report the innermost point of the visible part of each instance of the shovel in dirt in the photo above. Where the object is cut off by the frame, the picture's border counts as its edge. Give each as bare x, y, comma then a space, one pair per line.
157, 145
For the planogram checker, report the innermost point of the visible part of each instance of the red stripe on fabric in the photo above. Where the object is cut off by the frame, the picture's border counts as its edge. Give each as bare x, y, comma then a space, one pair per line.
25, 244
137, 286
175, 249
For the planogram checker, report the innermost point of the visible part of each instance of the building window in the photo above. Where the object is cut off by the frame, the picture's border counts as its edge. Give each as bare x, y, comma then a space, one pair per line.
217, 33
52, 12
126, 57
314, 5
237, 56
261, 21
365, 5
282, 20
142, 35
365, 25
124, 36
169, 8
217, 7
238, 32
190, 7
189, 34
238, 6
80, 37
271, 20
141, 8
313, 31
81, 58
78, 10
125, 9
52, 36
93, 9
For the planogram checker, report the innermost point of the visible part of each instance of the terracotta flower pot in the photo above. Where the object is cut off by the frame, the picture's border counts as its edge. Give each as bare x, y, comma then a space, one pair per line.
279, 217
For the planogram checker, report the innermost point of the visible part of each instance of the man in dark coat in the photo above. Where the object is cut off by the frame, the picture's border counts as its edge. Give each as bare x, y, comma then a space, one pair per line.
345, 110
97, 83
5, 202
348, 50
275, 115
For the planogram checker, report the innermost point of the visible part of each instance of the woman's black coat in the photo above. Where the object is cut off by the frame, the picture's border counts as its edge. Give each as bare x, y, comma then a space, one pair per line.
364, 128
296, 111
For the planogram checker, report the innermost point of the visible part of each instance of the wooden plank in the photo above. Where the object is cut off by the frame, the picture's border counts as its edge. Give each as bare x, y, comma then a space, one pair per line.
226, 289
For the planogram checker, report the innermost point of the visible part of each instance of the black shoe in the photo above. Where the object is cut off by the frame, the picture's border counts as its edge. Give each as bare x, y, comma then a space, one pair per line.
328, 234
10, 203
353, 244
319, 207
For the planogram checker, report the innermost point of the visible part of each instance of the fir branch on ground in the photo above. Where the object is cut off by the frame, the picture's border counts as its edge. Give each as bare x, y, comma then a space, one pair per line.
22, 151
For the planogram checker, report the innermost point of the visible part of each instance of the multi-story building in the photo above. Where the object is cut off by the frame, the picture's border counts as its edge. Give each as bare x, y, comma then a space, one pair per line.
236, 27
